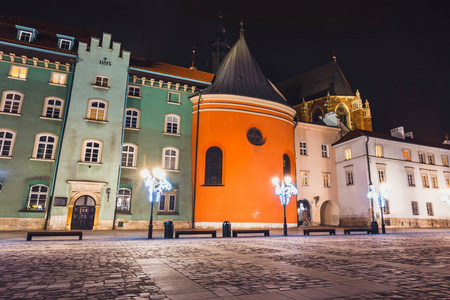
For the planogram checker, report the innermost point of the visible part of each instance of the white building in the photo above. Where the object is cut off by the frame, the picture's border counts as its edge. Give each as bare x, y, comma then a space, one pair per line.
416, 172
317, 199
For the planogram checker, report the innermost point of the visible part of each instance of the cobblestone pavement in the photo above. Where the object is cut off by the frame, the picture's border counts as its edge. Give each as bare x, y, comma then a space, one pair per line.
408, 264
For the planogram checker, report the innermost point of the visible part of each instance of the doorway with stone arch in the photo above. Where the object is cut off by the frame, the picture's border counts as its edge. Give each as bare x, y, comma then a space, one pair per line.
304, 212
329, 213
83, 213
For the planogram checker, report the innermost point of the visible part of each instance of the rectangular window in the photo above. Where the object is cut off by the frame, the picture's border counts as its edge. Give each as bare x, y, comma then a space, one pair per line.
425, 180
430, 211
348, 154
379, 151
326, 180
431, 159
303, 150
65, 44
101, 81
18, 72
434, 182
410, 178
445, 160
304, 177
25, 36
421, 157
349, 177
415, 208
386, 208
325, 151
168, 202
381, 176
173, 98
58, 78
134, 91
407, 154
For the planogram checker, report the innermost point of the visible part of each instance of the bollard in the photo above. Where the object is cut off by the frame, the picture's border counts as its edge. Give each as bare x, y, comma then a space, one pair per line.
226, 229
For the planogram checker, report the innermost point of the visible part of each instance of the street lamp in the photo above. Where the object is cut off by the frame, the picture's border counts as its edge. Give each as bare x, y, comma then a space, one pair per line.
156, 184
381, 196
284, 191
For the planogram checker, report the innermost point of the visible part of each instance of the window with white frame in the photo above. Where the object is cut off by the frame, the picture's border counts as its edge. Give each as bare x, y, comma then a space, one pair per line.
12, 102
304, 177
129, 152
430, 158
421, 157
434, 181
325, 152
173, 97
102, 81
53, 108
37, 197
6, 142
170, 158
379, 151
124, 200
407, 154
348, 154
410, 177
425, 182
415, 208
134, 91
18, 72
44, 146
303, 150
168, 202
386, 208
25, 36
172, 124
444, 160
92, 150
326, 180
381, 175
58, 78
132, 118
65, 44
97, 110
349, 177
430, 210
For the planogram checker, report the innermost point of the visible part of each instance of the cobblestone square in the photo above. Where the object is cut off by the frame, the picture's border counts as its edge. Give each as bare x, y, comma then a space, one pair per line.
403, 264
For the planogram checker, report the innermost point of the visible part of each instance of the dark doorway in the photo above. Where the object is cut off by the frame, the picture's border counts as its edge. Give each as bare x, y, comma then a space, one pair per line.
304, 213
83, 213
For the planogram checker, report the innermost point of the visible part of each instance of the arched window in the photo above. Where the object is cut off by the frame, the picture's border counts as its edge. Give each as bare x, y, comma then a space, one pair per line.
44, 146
92, 151
129, 152
170, 158
286, 165
132, 118
172, 124
6, 142
37, 198
11, 102
213, 166
124, 200
317, 113
53, 108
97, 110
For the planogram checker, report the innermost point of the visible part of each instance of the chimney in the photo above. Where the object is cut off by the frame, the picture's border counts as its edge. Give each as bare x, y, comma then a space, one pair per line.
398, 132
409, 135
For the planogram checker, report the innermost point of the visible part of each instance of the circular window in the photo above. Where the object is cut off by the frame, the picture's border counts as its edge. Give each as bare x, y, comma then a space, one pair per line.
255, 136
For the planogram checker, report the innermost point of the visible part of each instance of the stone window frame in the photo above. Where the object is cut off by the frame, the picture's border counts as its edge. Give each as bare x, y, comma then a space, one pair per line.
304, 178
407, 154
25, 36
422, 157
124, 197
99, 151
5, 100
430, 210
444, 159
58, 78
137, 117
67, 42
415, 208
168, 206
169, 124
424, 177
431, 160
169, 96
172, 164
96, 110
3, 139
213, 166
410, 179
101, 81
325, 151
378, 150
132, 91
348, 153
38, 193
381, 171
303, 148
53, 108
129, 155
18, 72
434, 180
326, 176
46, 144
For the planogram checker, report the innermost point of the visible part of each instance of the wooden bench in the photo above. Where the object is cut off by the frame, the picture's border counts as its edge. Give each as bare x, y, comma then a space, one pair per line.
238, 231
330, 230
179, 232
30, 234
348, 230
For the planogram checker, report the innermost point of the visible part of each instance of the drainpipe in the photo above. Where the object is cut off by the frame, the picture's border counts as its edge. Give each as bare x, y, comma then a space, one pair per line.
58, 152
374, 223
196, 159
121, 149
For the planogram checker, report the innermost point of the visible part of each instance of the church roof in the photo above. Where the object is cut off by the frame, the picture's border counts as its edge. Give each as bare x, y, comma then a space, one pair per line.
316, 84
239, 74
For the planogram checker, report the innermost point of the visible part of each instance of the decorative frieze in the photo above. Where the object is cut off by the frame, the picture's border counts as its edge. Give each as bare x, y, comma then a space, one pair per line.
36, 62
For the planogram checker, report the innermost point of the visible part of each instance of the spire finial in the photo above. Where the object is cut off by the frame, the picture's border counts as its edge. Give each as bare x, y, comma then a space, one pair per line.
242, 27
193, 59
334, 56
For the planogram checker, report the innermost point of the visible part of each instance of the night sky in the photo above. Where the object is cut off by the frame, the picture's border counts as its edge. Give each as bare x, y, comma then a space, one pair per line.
395, 52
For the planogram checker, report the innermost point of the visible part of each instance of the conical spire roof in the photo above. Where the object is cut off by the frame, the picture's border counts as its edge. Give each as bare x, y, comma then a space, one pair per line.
239, 74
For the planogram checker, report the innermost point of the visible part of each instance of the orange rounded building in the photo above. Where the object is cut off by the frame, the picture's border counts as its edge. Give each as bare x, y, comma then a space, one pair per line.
243, 136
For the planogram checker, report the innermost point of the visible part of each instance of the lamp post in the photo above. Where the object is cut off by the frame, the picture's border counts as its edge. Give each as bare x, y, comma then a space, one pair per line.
284, 191
382, 195
156, 184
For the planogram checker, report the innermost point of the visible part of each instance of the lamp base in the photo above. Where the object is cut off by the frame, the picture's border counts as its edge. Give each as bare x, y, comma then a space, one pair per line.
150, 231
374, 226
